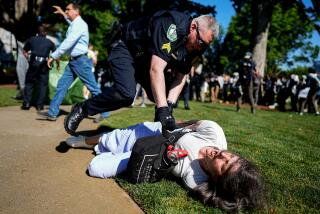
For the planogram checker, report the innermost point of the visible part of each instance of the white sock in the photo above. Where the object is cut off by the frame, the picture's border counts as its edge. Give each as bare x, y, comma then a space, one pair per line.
78, 142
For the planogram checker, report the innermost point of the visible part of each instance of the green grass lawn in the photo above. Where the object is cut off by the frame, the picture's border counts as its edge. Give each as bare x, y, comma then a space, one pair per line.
6, 97
285, 146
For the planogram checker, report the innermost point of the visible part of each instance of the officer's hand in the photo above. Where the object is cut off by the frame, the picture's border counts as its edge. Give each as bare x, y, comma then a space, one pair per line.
170, 106
163, 115
49, 62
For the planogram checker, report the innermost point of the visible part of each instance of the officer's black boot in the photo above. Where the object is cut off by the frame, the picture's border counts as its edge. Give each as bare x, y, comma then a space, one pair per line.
25, 106
78, 113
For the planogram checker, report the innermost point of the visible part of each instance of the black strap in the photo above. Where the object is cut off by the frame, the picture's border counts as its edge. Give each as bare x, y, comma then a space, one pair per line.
162, 164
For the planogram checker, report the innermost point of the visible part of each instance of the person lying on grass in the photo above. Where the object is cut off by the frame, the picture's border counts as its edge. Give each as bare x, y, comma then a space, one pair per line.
218, 177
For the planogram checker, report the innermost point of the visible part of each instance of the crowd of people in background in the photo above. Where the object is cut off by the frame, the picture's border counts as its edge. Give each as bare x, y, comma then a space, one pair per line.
283, 92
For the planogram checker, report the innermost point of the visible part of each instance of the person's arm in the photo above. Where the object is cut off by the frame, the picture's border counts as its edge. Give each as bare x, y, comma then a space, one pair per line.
176, 87
95, 57
72, 38
26, 49
158, 87
59, 11
158, 81
25, 54
192, 72
50, 60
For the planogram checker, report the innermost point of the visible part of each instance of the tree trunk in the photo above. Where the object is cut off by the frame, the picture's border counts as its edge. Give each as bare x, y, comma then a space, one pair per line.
261, 15
259, 53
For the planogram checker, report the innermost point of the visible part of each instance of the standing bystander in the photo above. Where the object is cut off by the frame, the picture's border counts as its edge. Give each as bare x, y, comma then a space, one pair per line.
76, 44
39, 47
250, 80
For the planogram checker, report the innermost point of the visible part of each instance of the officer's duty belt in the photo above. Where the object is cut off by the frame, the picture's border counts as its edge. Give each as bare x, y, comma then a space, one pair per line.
39, 58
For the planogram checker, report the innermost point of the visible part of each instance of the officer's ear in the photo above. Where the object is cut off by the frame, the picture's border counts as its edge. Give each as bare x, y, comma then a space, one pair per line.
193, 26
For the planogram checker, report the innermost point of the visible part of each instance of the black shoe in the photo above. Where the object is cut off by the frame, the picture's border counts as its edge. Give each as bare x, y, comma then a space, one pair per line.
72, 120
25, 106
39, 108
46, 116
187, 108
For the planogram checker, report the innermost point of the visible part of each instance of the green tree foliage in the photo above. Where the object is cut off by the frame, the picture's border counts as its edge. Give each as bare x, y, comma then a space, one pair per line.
237, 40
100, 15
288, 32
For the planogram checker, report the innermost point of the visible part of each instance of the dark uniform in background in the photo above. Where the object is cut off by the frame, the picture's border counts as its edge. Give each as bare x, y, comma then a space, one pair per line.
250, 82
38, 72
164, 34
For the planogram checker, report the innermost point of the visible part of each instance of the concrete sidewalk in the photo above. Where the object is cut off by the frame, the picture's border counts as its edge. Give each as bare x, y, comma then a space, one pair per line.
36, 178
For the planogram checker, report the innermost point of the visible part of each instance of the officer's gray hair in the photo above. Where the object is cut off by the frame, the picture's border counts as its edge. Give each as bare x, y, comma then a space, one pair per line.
208, 22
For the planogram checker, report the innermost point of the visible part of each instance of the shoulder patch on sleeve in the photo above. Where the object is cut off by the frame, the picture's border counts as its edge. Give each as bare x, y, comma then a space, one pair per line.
167, 47
172, 33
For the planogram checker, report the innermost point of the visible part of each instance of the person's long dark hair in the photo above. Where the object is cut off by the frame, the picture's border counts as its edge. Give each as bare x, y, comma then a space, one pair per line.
242, 189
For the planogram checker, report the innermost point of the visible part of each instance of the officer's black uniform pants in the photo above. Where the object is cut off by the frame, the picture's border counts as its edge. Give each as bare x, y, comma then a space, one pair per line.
37, 73
122, 93
251, 91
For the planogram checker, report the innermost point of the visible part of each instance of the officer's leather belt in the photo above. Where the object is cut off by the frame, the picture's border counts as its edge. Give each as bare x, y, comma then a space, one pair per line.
39, 58
77, 57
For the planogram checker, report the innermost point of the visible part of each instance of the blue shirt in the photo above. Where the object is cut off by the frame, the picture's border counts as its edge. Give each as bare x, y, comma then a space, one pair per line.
76, 41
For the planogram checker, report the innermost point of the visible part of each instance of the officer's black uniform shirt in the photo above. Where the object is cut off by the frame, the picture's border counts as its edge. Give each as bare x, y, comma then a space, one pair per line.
247, 67
164, 35
39, 46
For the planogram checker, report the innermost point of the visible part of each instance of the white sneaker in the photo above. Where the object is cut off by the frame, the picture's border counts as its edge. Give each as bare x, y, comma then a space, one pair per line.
78, 142
143, 105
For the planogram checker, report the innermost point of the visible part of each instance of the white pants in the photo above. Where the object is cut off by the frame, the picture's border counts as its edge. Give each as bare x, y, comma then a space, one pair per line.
114, 148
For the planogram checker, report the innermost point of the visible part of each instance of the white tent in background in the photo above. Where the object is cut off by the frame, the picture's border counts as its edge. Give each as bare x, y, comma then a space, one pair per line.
8, 48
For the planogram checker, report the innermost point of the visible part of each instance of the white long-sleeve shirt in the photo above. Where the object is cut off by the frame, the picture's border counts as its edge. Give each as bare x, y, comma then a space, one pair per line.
208, 133
76, 41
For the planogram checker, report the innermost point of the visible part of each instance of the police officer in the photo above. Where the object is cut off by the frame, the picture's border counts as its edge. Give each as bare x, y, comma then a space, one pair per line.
142, 53
249, 80
39, 47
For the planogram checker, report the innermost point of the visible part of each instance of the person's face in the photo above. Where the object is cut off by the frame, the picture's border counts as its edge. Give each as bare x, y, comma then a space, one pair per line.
216, 162
71, 12
197, 40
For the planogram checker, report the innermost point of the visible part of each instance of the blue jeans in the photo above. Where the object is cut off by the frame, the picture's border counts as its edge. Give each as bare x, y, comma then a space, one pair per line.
81, 68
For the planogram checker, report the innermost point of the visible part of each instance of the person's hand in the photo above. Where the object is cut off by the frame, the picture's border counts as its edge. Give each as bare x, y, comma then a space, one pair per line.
163, 115
49, 62
58, 10
58, 64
